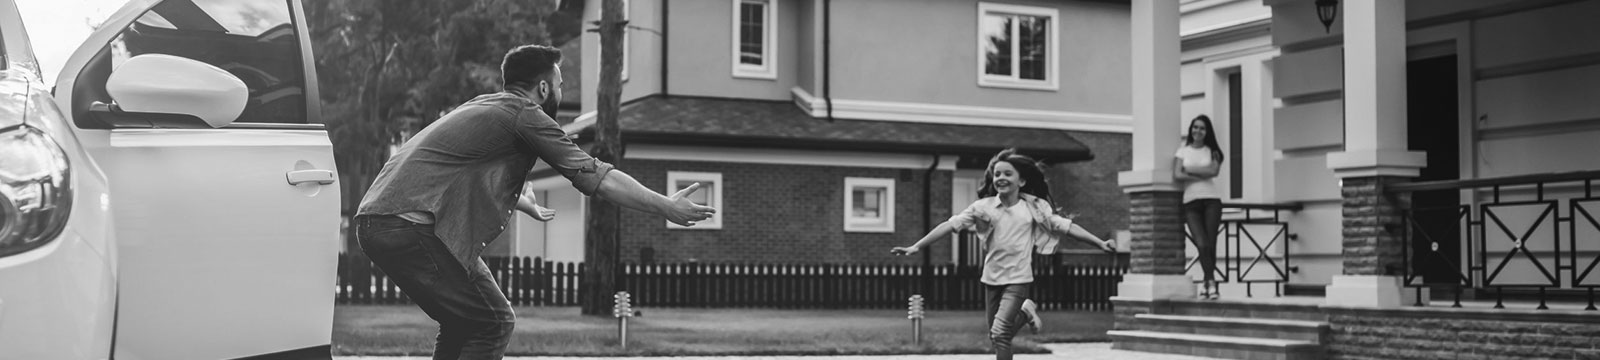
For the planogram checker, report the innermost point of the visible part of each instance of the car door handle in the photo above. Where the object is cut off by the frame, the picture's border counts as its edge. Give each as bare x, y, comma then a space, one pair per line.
321, 177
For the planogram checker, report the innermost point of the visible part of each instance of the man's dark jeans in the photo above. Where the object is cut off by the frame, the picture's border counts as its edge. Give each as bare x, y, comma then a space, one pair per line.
475, 320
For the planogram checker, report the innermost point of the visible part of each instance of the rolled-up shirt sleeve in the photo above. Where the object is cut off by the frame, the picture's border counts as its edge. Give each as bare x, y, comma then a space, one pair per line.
544, 137
966, 219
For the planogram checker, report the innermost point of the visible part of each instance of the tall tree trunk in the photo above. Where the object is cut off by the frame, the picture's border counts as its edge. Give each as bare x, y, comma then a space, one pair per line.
600, 248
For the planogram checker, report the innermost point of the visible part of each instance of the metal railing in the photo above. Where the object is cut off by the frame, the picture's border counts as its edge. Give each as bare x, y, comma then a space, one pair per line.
1252, 245
1512, 232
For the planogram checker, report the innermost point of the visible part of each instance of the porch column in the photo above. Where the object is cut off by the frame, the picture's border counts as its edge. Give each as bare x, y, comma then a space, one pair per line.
1156, 268
1375, 154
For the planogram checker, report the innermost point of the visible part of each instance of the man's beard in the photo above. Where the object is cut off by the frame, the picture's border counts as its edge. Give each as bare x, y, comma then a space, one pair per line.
549, 106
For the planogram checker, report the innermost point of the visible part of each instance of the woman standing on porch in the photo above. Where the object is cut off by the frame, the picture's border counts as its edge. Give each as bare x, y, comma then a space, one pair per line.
1197, 161
1014, 217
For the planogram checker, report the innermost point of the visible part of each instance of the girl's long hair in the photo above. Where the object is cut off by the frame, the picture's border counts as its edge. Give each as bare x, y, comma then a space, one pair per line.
1210, 139
1030, 172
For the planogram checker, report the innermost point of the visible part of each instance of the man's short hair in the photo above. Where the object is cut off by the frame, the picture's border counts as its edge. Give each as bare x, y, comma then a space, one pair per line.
524, 65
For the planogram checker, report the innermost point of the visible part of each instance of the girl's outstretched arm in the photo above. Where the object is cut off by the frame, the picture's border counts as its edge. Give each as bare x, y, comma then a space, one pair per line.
939, 232
1088, 237
1065, 226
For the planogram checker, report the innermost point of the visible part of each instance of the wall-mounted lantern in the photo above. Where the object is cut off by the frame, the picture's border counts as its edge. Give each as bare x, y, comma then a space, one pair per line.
1327, 11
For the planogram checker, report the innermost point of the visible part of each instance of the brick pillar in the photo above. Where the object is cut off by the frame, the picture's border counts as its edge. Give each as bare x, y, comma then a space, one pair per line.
1156, 221
1155, 268
1375, 154
1373, 227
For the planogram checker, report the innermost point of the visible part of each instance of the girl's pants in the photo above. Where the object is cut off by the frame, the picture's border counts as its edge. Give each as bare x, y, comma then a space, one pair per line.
1003, 303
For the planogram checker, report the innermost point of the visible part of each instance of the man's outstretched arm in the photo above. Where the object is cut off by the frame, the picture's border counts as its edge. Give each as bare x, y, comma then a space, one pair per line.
620, 188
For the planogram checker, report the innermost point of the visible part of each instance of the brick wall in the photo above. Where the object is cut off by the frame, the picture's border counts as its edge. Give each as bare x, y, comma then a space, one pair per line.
1442, 333
784, 214
1090, 188
1372, 227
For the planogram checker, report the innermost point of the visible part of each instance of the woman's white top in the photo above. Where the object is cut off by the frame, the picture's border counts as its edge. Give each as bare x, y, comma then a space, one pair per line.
1195, 158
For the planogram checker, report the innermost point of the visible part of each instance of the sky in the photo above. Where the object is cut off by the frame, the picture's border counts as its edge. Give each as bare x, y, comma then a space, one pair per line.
57, 27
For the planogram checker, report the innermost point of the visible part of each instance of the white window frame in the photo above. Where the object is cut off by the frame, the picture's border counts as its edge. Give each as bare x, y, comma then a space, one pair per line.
715, 222
1052, 42
854, 224
769, 48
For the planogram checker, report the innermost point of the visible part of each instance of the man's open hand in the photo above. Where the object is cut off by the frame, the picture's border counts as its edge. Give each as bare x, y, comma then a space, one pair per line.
685, 212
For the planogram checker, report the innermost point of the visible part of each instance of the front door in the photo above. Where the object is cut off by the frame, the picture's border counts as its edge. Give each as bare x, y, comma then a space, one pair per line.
1432, 124
227, 237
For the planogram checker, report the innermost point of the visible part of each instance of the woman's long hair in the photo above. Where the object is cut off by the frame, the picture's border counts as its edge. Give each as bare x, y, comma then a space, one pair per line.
1210, 139
1028, 170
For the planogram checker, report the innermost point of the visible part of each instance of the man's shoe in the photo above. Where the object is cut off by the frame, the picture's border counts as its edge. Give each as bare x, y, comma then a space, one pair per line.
1032, 309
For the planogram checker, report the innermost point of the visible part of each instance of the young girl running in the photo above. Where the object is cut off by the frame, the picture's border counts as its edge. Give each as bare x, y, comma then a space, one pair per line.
1014, 218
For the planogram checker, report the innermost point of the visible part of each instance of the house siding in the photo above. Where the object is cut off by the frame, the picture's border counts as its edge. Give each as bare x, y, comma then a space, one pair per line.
927, 52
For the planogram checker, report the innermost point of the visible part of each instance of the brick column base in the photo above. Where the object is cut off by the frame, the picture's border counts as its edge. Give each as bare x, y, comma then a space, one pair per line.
1156, 263
1373, 254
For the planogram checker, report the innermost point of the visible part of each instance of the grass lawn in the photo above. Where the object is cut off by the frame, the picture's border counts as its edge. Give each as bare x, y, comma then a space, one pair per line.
405, 330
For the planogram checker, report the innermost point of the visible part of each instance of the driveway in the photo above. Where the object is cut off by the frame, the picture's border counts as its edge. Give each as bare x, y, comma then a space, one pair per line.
1082, 351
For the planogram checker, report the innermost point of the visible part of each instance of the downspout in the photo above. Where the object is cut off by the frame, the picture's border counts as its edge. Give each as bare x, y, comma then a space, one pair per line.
827, 63
927, 221
666, 5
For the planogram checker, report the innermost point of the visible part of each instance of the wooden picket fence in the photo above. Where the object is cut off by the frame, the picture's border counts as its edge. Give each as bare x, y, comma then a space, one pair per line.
535, 282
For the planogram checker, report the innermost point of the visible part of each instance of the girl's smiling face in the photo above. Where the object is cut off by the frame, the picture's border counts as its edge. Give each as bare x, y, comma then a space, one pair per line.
1006, 179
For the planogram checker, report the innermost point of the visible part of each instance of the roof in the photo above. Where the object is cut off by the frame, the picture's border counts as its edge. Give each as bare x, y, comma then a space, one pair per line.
700, 121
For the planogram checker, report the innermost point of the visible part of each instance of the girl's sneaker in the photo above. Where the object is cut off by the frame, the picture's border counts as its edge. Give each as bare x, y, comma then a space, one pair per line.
1032, 309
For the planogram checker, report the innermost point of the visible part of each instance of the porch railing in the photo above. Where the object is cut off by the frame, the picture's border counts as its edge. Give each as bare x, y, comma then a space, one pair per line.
1514, 231
1252, 245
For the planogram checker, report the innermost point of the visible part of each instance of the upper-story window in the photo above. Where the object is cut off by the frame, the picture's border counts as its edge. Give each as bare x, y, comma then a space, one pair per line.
755, 39
1017, 46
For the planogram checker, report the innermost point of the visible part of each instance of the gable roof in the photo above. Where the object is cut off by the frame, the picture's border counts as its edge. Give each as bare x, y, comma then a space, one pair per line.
679, 120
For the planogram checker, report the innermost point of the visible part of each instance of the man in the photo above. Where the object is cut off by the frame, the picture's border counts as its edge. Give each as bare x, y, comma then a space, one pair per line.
450, 190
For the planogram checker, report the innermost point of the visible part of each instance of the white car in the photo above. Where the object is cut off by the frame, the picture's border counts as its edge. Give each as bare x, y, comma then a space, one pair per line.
172, 195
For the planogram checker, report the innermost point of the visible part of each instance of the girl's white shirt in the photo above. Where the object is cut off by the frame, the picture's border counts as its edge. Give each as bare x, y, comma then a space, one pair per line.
1008, 234
1195, 158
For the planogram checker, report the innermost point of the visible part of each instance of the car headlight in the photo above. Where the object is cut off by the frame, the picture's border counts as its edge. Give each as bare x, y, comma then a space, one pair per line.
35, 193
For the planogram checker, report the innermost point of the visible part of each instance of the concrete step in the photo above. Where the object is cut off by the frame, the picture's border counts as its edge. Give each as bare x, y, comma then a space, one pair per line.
1225, 347
1286, 308
1304, 330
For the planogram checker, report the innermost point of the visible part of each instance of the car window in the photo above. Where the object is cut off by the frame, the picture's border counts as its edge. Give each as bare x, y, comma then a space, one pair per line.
254, 40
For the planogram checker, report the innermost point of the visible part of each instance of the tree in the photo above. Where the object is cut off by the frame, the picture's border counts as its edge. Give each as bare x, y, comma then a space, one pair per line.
603, 238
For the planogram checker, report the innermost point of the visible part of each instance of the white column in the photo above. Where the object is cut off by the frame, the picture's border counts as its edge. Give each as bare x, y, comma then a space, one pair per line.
1375, 128
1375, 92
1155, 137
1155, 96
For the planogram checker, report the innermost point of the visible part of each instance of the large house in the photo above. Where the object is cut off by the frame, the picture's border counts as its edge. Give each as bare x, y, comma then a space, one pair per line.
829, 131
1408, 179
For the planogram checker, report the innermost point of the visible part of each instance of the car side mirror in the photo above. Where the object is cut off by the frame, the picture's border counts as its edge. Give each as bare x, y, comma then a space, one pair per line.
158, 90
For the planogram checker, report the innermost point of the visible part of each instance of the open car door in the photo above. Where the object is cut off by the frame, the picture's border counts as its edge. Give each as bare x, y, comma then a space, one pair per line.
204, 116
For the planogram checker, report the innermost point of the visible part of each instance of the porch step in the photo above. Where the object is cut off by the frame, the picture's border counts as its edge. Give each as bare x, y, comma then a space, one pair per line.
1305, 289
1280, 308
1303, 330
1226, 347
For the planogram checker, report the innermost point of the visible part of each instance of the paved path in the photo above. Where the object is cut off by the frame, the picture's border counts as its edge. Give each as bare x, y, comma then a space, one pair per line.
1083, 351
